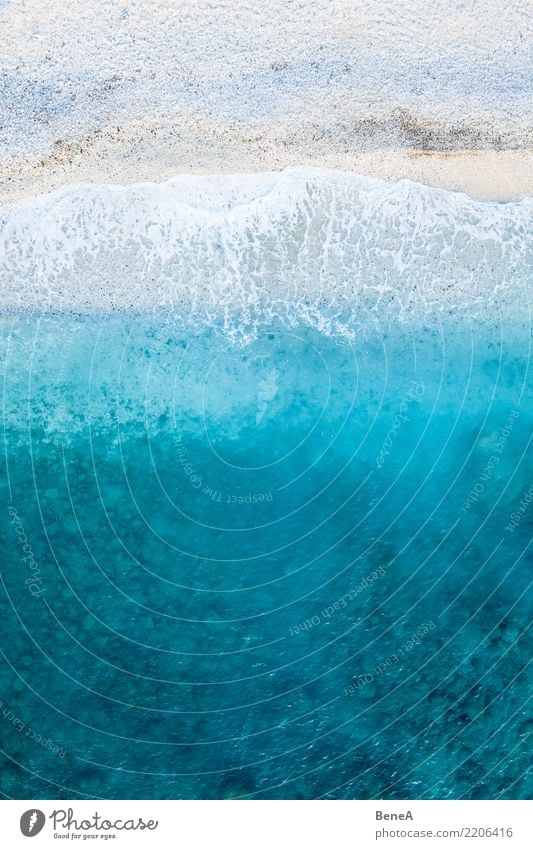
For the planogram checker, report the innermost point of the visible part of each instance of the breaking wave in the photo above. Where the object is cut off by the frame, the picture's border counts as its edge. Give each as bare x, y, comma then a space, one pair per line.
322, 248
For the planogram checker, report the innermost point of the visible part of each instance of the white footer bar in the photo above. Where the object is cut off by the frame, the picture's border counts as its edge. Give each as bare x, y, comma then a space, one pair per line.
266, 824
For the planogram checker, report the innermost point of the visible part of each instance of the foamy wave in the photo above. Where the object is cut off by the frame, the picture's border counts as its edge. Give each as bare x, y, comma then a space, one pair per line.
324, 248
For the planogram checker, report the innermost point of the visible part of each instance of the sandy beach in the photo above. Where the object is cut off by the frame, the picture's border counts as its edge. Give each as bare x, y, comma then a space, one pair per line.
486, 175
135, 91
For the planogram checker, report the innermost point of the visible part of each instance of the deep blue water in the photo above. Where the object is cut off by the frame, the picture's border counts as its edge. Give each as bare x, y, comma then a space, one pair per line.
293, 568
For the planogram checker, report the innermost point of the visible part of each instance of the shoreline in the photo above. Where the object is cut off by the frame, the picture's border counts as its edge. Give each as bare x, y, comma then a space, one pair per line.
303, 239
505, 175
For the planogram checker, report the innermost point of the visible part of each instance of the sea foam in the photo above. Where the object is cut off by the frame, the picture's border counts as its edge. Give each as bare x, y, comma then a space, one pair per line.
322, 248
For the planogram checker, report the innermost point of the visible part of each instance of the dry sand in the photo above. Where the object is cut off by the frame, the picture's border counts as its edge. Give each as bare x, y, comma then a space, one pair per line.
142, 90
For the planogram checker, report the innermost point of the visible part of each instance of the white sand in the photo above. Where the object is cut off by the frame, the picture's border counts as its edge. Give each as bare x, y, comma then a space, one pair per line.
140, 90
488, 175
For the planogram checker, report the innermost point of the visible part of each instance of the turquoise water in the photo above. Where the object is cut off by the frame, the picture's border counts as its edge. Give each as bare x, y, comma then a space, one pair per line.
288, 566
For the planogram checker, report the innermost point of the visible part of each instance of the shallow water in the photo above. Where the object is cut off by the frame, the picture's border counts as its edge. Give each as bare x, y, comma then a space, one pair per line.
291, 566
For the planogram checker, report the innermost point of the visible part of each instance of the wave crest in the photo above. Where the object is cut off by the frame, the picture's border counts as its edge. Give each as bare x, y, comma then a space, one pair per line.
325, 248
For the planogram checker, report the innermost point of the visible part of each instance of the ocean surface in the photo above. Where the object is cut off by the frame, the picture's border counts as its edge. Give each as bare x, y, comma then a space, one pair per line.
267, 496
